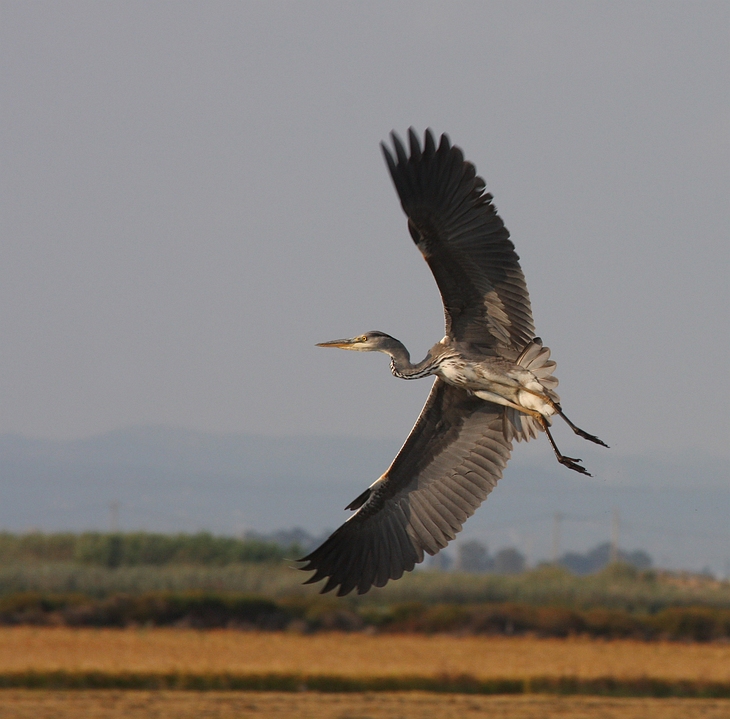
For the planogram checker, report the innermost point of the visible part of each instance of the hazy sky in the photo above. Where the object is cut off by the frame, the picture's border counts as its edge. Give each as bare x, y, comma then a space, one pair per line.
193, 196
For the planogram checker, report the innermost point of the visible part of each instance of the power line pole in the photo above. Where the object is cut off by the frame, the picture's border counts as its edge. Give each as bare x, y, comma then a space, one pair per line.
529, 546
114, 516
557, 519
614, 535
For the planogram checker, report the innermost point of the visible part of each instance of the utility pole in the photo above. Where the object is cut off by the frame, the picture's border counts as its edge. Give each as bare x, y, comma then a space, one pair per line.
114, 516
529, 547
614, 535
557, 519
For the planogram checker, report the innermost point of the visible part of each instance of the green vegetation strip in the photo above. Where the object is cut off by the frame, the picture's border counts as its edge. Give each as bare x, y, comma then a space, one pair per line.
463, 684
101, 565
130, 549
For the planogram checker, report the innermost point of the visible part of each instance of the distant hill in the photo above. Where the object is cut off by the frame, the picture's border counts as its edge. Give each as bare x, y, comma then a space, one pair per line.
168, 479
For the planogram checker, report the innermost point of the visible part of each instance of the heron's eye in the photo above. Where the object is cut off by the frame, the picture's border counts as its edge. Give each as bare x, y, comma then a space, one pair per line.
362, 338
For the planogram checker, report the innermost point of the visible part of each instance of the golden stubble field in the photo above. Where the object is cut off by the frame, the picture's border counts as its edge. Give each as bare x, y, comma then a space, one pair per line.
349, 655
181, 650
102, 704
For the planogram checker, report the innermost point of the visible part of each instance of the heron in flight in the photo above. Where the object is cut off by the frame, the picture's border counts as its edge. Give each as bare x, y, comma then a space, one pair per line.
494, 379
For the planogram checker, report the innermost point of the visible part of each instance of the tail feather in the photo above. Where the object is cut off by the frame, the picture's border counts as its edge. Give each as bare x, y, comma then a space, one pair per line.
536, 358
532, 351
519, 426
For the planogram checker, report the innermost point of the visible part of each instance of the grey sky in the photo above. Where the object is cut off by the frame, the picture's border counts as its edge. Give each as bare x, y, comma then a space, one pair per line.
193, 195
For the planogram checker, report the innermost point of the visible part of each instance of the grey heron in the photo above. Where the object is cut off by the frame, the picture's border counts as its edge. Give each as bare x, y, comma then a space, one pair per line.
494, 378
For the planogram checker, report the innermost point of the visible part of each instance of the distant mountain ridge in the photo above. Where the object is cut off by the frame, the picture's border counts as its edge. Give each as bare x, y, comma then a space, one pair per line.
170, 479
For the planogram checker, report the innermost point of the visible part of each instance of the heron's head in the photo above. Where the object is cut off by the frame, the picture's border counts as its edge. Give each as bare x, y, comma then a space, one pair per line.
368, 342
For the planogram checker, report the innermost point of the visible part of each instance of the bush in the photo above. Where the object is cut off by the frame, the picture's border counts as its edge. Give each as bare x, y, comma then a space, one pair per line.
699, 624
36, 547
206, 610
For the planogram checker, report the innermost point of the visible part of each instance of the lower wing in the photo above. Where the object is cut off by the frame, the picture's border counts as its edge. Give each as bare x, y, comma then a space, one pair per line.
451, 461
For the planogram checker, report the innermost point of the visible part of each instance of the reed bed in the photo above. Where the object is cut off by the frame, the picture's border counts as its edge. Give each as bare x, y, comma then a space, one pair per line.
618, 587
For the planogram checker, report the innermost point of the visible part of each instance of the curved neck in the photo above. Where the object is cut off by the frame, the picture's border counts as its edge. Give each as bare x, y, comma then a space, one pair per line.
401, 365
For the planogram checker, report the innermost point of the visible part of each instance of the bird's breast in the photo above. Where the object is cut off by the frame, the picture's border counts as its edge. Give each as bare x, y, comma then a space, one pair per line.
472, 375
476, 376
456, 371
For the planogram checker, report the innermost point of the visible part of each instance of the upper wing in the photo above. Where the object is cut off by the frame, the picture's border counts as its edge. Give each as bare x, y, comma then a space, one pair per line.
450, 462
455, 225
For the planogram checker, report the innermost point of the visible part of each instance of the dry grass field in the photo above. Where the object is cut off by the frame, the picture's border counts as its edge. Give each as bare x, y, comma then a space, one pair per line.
33, 704
347, 655
352, 655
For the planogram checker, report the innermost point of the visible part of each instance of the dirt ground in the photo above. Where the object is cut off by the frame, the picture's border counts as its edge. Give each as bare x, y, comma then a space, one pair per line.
102, 704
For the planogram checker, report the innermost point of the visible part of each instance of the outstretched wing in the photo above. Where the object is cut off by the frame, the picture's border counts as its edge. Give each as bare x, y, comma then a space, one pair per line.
456, 227
450, 462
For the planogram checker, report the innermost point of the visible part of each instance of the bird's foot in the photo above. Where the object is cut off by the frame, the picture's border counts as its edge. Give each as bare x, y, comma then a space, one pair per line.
572, 463
589, 437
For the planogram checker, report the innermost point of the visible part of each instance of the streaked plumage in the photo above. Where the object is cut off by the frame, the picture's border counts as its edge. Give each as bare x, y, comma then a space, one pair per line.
494, 379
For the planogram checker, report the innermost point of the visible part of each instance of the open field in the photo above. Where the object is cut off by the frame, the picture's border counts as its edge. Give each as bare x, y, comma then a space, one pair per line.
24, 704
353, 655
180, 653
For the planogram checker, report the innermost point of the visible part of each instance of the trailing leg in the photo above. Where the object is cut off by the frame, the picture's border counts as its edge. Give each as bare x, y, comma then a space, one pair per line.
580, 432
556, 406
570, 462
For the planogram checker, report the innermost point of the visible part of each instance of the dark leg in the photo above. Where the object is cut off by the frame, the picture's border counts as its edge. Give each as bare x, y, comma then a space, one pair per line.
569, 462
580, 432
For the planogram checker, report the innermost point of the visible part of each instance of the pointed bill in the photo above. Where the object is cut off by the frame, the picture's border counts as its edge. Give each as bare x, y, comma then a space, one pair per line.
340, 344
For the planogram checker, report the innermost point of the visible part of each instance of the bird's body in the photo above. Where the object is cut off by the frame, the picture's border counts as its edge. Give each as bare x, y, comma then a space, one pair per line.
491, 378
494, 379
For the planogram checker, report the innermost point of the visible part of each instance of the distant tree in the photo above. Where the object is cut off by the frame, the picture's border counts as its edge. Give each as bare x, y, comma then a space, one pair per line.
473, 556
600, 556
442, 561
639, 558
509, 561
588, 563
